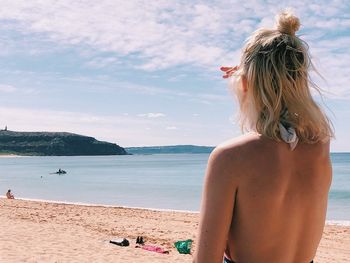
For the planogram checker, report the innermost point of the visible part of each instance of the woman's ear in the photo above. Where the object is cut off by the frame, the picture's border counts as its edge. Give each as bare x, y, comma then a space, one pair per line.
244, 83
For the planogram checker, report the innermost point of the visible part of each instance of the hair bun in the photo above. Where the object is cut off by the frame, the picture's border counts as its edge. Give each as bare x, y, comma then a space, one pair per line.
287, 23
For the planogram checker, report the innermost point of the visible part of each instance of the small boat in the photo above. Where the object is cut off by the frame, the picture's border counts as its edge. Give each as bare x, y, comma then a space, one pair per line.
60, 171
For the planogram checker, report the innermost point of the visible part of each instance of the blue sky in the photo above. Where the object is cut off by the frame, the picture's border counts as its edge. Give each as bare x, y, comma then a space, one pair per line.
147, 72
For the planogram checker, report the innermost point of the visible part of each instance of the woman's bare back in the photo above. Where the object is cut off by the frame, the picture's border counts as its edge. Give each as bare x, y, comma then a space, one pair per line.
263, 199
280, 200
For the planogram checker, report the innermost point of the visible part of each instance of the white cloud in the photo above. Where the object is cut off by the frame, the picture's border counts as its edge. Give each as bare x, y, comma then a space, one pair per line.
99, 62
166, 34
7, 88
171, 128
331, 60
161, 34
151, 115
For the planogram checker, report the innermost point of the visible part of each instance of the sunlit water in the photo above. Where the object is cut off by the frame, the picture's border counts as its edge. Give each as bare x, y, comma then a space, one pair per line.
167, 181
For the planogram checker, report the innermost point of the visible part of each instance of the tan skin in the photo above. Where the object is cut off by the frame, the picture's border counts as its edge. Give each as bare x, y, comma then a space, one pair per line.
263, 202
9, 195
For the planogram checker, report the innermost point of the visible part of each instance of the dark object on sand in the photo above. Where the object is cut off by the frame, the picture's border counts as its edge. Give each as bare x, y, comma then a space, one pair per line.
139, 240
123, 242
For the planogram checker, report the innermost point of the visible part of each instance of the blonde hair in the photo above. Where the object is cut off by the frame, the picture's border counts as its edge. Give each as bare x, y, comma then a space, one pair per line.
275, 63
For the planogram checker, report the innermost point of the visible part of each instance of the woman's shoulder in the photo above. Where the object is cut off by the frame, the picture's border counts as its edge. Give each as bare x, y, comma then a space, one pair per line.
252, 148
241, 149
245, 142
230, 160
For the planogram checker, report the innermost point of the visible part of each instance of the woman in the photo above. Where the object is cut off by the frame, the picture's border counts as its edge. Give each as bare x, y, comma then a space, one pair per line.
9, 195
265, 193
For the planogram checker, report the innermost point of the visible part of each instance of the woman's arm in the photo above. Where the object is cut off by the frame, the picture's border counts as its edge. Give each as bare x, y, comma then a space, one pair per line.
217, 208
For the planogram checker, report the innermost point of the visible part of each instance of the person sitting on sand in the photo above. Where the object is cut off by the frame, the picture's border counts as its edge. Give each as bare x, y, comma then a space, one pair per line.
266, 192
9, 195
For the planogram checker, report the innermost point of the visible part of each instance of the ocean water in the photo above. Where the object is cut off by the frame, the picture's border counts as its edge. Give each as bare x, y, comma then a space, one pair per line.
164, 181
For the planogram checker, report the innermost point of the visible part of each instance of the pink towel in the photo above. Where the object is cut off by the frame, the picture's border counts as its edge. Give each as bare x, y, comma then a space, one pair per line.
155, 249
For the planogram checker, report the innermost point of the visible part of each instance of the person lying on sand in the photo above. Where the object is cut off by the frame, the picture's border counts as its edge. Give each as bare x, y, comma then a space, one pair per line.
9, 195
265, 193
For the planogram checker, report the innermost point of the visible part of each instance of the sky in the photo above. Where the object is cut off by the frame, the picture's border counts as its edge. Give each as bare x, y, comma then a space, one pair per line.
141, 73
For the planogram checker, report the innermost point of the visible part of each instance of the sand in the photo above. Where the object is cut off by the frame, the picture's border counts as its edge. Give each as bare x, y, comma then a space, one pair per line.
8, 155
32, 231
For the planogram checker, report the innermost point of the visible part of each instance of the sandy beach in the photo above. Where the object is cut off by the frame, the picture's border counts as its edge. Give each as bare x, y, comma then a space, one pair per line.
33, 231
9, 155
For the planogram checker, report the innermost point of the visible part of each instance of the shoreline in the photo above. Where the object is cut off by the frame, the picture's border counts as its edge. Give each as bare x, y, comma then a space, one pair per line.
103, 205
9, 155
331, 222
41, 231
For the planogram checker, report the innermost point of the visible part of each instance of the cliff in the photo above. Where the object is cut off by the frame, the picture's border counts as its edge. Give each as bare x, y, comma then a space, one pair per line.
55, 144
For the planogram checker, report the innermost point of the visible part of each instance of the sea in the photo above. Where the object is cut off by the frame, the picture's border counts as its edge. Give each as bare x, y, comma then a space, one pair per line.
158, 181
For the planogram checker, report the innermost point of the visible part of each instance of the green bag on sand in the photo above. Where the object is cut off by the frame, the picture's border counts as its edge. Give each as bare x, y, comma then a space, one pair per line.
184, 247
